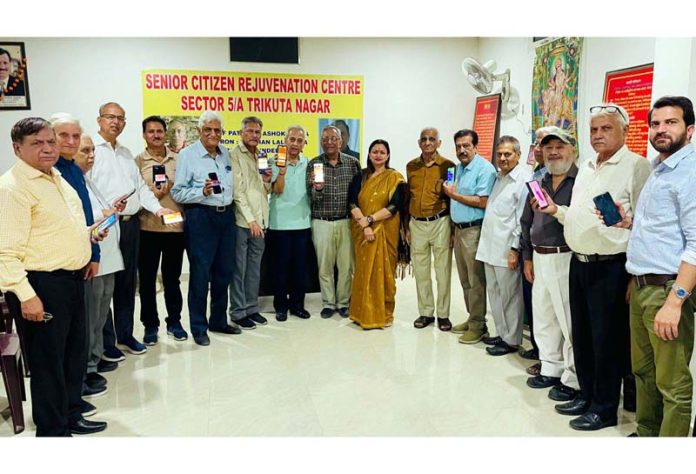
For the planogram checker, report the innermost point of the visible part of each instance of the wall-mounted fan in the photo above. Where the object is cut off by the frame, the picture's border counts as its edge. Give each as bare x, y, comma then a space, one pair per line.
482, 78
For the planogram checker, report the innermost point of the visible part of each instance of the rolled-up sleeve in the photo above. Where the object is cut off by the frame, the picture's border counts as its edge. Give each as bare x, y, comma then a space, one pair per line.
687, 217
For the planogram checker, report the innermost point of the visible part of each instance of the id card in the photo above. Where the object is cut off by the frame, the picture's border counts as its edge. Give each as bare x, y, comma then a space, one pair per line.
173, 218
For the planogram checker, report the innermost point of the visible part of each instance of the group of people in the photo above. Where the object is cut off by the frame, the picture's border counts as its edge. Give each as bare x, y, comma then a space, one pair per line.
550, 251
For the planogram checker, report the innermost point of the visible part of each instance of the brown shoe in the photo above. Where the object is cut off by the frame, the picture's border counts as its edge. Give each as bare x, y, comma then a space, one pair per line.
460, 328
444, 324
423, 322
534, 369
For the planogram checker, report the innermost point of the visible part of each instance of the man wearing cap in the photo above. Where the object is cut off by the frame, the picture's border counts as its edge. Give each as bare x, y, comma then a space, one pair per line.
598, 279
474, 177
547, 264
499, 247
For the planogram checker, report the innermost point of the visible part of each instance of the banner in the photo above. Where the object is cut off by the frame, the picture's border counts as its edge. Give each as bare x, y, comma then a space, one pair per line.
632, 89
279, 100
486, 122
555, 84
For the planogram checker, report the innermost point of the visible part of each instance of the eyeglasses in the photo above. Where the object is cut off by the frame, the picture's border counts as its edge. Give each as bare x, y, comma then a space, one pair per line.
330, 139
208, 131
118, 118
609, 108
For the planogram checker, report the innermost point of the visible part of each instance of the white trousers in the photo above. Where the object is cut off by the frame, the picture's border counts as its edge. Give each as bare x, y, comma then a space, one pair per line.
504, 288
551, 307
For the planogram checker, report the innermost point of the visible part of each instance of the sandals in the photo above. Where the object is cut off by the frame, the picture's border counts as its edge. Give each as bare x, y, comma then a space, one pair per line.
534, 369
423, 321
444, 324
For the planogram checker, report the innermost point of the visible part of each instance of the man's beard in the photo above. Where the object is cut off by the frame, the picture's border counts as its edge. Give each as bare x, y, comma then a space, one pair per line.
673, 146
557, 167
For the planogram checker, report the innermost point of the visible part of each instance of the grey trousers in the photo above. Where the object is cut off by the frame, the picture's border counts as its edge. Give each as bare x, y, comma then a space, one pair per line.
505, 294
244, 290
98, 293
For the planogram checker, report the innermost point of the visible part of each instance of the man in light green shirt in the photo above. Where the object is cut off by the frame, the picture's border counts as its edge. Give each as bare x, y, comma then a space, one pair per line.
290, 221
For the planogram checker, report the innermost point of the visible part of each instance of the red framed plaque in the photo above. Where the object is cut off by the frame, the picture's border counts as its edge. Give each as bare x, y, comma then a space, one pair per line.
487, 123
632, 89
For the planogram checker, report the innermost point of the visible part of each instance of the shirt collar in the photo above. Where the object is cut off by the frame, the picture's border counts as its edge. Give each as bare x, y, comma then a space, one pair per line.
614, 159
572, 173
473, 164
514, 174
169, 155
202, 152
325, 158
101, 141
675, 158
32, 173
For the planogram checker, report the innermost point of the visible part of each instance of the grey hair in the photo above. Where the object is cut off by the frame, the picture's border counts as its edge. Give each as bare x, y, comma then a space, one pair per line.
207, 116
63, 118
437, 132
333, 127
251, 119
623, 116
512, 141
296, 127
103, 106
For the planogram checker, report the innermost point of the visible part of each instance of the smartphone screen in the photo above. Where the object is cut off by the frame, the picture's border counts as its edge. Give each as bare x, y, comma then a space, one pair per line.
173, 218
318, 172
281, 156
263, 164
450, 175
159, 175
105, 224
217, 189
535, 190
605, 204
125, 197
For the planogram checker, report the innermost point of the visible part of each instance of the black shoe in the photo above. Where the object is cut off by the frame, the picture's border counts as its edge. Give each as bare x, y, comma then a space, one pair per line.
542, 381
577, 407
300, 313
85, 427
281, 316
591, 422
106, 366
91, 392
226, 330
93, 379
563, 393
201, 339
245, 323
343, 312
326, 313
491, 341
531, 354
501, 349
258, 319
87, 409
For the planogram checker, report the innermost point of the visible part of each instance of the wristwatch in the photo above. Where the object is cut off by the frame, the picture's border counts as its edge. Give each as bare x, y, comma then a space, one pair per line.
370, 220
681, 293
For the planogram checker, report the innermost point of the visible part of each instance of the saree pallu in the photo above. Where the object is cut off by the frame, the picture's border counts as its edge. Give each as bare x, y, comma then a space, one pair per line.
374, 285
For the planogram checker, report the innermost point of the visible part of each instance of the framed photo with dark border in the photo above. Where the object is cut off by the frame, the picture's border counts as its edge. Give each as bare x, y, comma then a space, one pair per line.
487, 124
14, 78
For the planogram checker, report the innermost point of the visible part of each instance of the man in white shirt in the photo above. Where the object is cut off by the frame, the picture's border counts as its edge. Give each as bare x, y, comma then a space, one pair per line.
116, 175
499, 247
598, 279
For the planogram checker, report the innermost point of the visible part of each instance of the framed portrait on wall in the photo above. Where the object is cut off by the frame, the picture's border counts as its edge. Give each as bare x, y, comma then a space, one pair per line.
14, 79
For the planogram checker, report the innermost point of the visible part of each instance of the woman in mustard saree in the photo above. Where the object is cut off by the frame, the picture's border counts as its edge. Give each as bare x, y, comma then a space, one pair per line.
375, 196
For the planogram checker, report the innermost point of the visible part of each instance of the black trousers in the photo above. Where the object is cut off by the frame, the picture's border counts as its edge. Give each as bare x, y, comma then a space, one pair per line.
170, 246
601, 332
527, 297
289, 249
124, 288
56, 351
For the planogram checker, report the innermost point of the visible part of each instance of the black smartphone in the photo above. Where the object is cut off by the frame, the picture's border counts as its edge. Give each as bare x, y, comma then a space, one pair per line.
605, 205
159, 175
217, 189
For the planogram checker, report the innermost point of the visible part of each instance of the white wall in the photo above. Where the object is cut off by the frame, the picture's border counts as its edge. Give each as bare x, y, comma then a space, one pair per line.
599, 56
409, 83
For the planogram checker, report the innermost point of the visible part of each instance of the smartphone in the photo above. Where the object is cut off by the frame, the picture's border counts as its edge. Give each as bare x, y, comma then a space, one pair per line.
318, 172
217, 189
535, 190
125, 197
450, 175
173, 218
105, 224
159, 175
605, 205
263, 163
281, 156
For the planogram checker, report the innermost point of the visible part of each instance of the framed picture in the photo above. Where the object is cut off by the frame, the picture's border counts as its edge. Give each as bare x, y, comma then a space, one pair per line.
531, 161
487, 124
14, 79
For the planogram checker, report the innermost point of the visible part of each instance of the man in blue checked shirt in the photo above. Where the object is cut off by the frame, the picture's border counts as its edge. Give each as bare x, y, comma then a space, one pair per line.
474, 179
203, 184
661, 257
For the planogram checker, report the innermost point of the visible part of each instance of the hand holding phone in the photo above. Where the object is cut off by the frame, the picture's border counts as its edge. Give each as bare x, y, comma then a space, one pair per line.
103, 225
123, 199
159, 175
608, 209
536, 192
281, 156
450, 176
215, 183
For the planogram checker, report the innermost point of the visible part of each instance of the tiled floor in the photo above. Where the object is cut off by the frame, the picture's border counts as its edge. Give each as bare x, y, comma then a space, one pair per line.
327, 378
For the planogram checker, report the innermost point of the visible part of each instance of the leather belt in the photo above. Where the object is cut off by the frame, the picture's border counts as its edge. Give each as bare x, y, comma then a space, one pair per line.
214, 208
597, 258
652, 280
466, 225
332, 219
60, 273
440, 214
547, 250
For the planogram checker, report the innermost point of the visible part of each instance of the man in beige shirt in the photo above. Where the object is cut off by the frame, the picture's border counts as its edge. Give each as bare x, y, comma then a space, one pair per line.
252, 186
157, 239
44, 247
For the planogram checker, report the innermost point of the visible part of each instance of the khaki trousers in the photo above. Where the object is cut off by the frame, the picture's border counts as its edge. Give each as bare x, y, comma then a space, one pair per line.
334, 247
472, 275
504, 288
432, 238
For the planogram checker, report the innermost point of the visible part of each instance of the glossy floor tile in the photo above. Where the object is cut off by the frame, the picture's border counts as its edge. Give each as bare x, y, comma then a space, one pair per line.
321, 377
